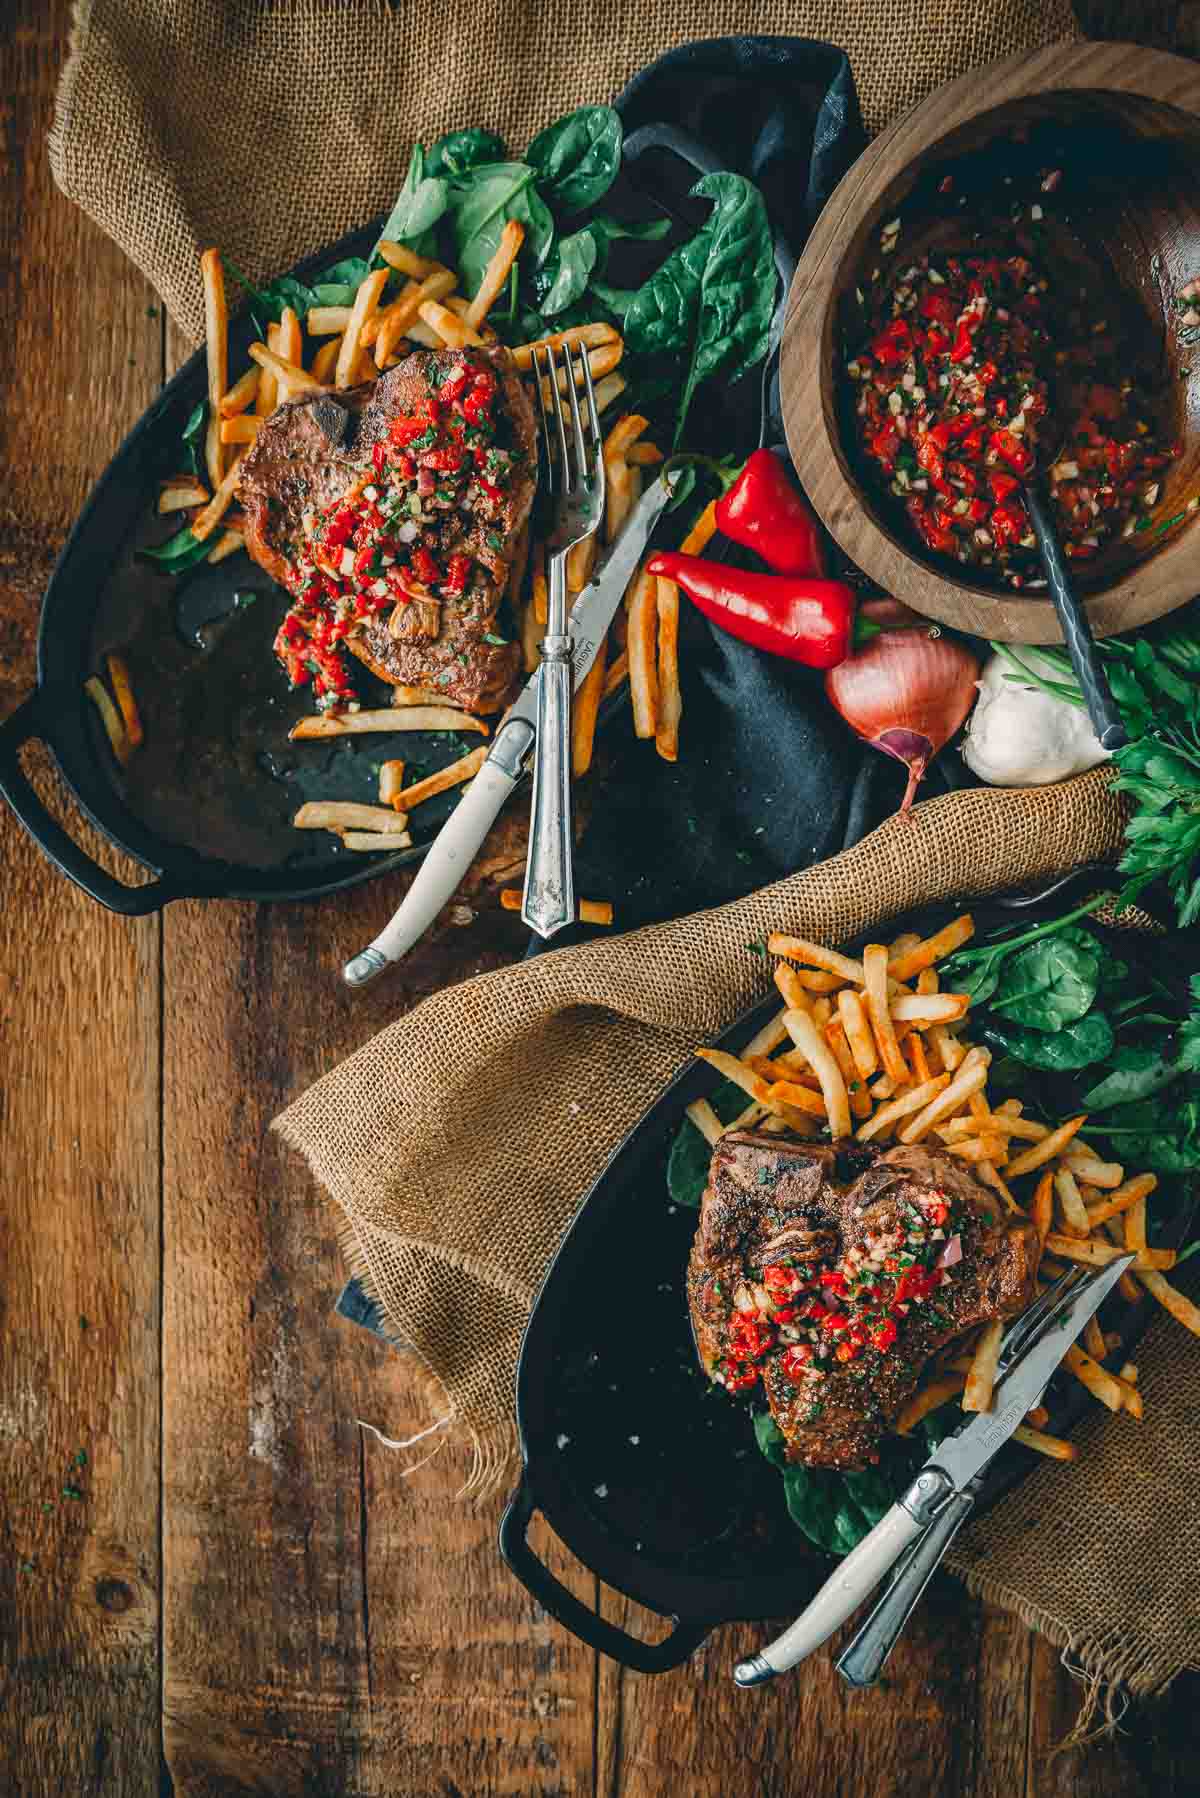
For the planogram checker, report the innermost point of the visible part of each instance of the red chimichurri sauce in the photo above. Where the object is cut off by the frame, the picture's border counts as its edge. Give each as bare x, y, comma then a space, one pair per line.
973, 370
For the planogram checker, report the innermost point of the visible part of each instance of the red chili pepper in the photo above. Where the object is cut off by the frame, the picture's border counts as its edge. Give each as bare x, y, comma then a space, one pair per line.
794, 1361
457, 570
424, 566
1012, 450
749, 1337
784, 1280
477, 406
884, 1335
939, 306
379, 456
764, 511
737, 1379
800, 617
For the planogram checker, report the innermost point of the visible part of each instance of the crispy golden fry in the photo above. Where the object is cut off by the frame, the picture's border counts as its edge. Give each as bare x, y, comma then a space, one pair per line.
792, 993
330, 321
588, 911
593, 336
918, 1061
540, 597
1135, 1223
581, 559
413, 695
928, 1398
911, 1099
875, 980
372, 839
1101, 1384
454, 332
811, 1043
701, 533
885, 1087
952, 936
978, 1148
349, 724
290, 378
600, 362
122, 686
1053, 1446
407, 262
1098, 1254
267, 397
291, 337
1047, 1148
453, 775
1043, 1206
970, 1076
949, 1049
391, 782
908, 939
181, 493
795, 1096
1074, 1211
608, 391
216, 339
207, 520
705, 1119
531, 637
981, 1381
644, 455
584, 711
928, 1008
1170, 1299
618, 496
241, 395
339, 814
495, 275
839, 1048
1105, 1174
624, 434
858, 1032
403, 317
1093, 1339
817, 980
366, 301
1133, 1191
772, 1036
114, 728
243, 429
1038, 1418
797, 948
670, 696
214, 452
642, 645
1129, 1372
227, 544
618, 671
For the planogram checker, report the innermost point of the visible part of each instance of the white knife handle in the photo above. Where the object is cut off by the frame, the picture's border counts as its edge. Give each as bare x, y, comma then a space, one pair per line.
861, 1661
450, 855
858, 1575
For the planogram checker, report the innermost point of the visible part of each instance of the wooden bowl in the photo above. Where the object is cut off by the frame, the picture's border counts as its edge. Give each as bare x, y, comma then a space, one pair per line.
1123, 124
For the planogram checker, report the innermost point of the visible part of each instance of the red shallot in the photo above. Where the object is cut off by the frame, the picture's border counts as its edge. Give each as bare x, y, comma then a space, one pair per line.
906, 693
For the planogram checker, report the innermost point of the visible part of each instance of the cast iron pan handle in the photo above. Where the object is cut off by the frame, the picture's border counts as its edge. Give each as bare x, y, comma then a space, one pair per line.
552, 1595
51, 838
1097, 696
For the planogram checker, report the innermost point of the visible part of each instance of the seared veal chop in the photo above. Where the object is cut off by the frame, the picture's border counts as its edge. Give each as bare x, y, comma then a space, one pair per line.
833, 1274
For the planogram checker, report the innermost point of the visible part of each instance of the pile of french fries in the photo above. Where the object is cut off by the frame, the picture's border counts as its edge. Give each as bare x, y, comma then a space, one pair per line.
873, 1049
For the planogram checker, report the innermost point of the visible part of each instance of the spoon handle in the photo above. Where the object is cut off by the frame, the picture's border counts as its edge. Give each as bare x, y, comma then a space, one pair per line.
1081, 647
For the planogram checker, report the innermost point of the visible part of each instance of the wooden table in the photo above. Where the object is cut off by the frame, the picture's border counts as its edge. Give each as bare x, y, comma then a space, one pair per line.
213, 1582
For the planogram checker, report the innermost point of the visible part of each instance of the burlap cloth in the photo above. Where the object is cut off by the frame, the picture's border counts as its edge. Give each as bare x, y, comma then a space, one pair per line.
460, 1141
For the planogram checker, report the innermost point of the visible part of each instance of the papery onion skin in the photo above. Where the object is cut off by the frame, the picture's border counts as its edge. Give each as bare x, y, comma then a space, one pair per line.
906, 693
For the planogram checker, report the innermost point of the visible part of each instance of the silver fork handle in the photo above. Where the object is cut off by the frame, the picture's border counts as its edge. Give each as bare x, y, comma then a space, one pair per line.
861, 1661
549, 900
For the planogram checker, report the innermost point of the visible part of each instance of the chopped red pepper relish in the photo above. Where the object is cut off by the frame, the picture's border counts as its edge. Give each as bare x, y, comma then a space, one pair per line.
954, 398
377, 546
815, 1315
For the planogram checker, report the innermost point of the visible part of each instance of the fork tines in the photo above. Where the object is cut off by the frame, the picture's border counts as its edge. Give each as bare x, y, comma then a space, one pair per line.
1029, 1326
569, 466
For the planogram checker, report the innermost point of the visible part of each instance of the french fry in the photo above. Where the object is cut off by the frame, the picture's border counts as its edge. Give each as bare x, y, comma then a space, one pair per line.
242, 429
858, 1032
918, 1061
366, 300
757, 1088
822, 1010
885, 1087
338, 814
1093, 1339
618, 672
391, 781
454, 332
1135, 1223
591, 336
122, 686
991, 1176
403, 317
670, 697
289, 376
644, 455
948, 1047
291, 337
772, 1036
1074, 1211
584, 712
1129, 1372
910, 1100
929, 1008
839, 1048
1170, 1298
216, 340
813, 955
811, 1044
1098, 1254
1127, 1286
952, 936
371, 839
608, 391
407, 262
349, 724
181, 493
600, 362
875, 978
227, 544
531, 637
267, 397
624, 434
908, 939
453, 775
792, 993
702, 532
1043, 1206
981, 1381
581, 559
588, 911
979, 1149
1139, 1188
208, 518
643, 667
928, 1398
818, 980
495, 275
1131, 1398
540, 595
114, 728
329, 321
1089, 1373
1047, 1149
618, 496
413, 695
970, 1076
241, 395
705, 1119
1053, 1446
1038, 1418
1105, 1174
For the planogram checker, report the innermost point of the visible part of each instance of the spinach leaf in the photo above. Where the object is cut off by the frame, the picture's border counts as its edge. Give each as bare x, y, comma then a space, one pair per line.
608, 230
481, 203
459, 151
416, 213
836, 1510
1155, 1134
565, 275
616, 300
577, 157
1189, 1034
660, 318
178, 552
338, 285
1135, 1071
193, 436
1075, 1045
687, 1164
1050, 983
406, 211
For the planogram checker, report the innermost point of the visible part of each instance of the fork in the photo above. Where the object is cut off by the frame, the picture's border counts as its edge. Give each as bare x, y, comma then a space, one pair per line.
573, 475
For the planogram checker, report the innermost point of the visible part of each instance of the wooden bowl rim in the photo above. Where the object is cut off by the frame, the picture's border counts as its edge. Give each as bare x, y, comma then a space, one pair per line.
1168, 579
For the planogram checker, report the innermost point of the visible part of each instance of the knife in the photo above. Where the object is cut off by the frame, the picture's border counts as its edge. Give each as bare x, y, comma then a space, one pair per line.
924, 1520
457, 843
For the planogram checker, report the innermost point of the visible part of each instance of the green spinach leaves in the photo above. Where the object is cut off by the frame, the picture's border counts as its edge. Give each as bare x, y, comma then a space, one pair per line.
577, 157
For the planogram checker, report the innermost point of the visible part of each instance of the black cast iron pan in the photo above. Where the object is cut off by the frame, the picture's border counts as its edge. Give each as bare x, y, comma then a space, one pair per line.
650, 1476
207, 803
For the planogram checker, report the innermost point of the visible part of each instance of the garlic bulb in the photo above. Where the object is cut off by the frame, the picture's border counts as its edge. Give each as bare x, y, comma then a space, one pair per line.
1019, 736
